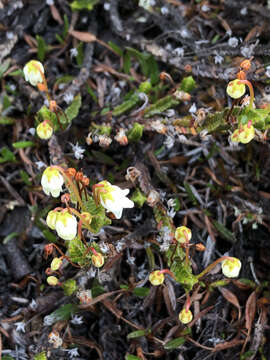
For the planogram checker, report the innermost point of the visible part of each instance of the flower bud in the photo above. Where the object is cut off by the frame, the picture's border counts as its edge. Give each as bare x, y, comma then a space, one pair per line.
52, 181
156, 278
55, 264
44, 130
231, 267
52, 280
183, 234
185, 316
97, 260
51, 219
244, 134
86, 217
200, 247
235, 89
66, 226
245, 65
33, 71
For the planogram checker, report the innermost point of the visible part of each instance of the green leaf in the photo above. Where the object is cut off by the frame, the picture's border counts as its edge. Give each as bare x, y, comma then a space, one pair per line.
138, 197
132, 357
135, 134
51, 237
116, 48
40, 356
65, 79
188, 84
69, 287
91, 93
175, 343
83, 4
73, 110
103, 158
141, 291
5, 120
78, 252
23, 144
160, 106
4, 67
6, 155
126, 63
126, 105
64, 312
224, 232
42, 48
25, 177
80, 56
138, 333
190, 194
97, 289
10, 237
99, 218
7, 357
66, 26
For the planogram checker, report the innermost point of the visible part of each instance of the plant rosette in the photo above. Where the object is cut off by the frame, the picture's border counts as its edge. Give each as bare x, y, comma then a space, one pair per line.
33, 71
52, 181
112, 198
66, 225
231, 267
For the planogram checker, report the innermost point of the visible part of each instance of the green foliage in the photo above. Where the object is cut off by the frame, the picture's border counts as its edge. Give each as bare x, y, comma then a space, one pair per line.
23, 144
141, 291
73, 110
224, 232
132, 357
138, 333
7, 357
116, 48
40, 356
175, 343
138, 197
190, 194
188, 84
5, 120
145, 87
4, 67
80, 56
42, 48
161, 105
99, 218
78, 252
126, 105
64, 312
6, 155
135, 134
69, 287
25, 178
83, 4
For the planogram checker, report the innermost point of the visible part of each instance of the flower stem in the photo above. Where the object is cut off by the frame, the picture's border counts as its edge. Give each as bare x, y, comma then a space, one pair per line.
251, 92
211, 266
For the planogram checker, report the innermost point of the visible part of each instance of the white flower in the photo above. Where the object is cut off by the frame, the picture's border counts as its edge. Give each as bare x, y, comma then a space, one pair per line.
164, 10
231, 267
73, 52
112, 198
68, 98
77, 320
52, 181
49, 2
107, 6
218, 59
40, 164
193, 108
72, 352
20, 326
33, 71
77, 151
233, 42
66, 226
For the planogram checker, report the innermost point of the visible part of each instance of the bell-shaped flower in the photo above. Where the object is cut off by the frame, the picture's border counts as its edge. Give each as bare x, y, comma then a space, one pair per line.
112, 198
33, 71
183, 234
156, 278
51, 219
66, 226
44, 130
52, 181
244, 134
185, 316
97, 259
231, 267
235, 89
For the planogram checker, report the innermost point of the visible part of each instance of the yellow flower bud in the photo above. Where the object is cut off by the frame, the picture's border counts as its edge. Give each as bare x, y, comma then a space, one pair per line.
183, 234
97, 260
44, 130
52, 280
231, 267
51, 219
87, 218
156, 278
235, 89
56, 263
185, 316
33, 71
244, 134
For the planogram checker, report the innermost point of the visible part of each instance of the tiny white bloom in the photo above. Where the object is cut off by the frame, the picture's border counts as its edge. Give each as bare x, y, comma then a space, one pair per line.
66, 226
73, 353
218, 59
231, 267
73, 52
77, 151
114, 199
33, 305
49, 2
68, 98
52, 182
205, 8
9, 35
77, 320
193, 108
233, 42
164, 10
20, 326
32, 131
244, 11
33, 71
107, 6
40, 164
48, 320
